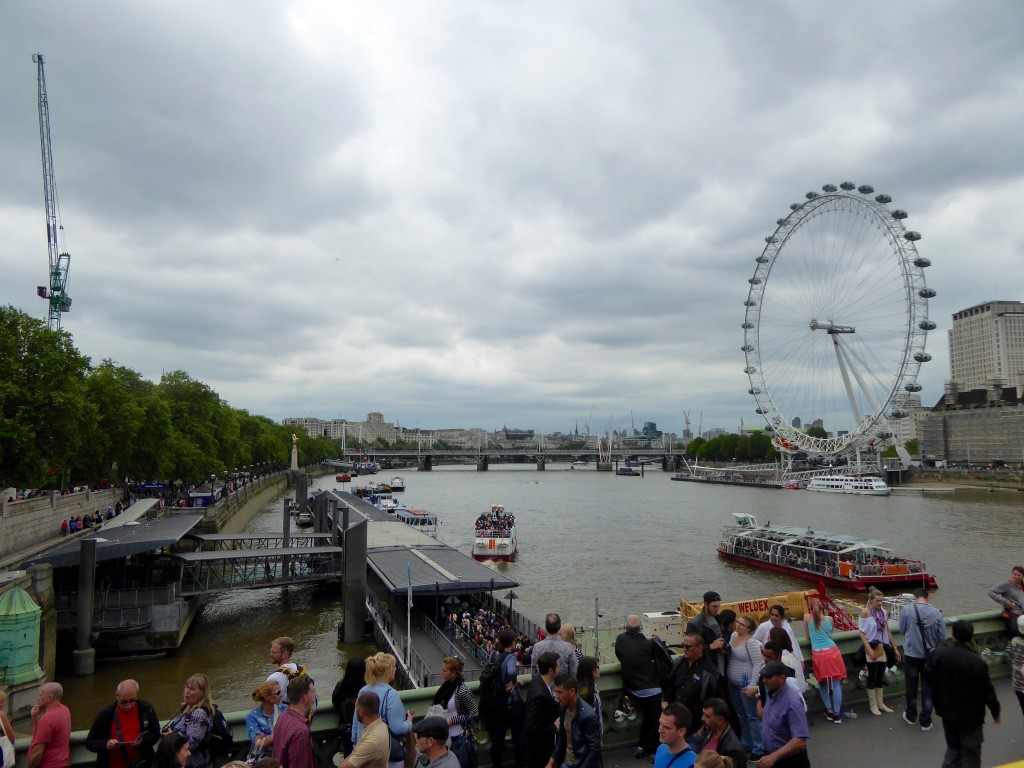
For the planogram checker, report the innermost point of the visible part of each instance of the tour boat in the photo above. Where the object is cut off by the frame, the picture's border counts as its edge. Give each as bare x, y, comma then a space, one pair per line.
343, 478
397, 483
420, 519
863, 485
495, 535
841, 561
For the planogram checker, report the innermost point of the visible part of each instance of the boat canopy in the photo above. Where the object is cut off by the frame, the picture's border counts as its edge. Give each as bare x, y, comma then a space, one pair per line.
787, 535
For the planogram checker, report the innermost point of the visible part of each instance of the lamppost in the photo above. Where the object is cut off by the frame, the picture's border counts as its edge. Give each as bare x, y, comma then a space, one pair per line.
510, 597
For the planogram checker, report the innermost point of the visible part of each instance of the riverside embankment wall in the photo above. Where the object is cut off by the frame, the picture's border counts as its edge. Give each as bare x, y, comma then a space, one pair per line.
32, 522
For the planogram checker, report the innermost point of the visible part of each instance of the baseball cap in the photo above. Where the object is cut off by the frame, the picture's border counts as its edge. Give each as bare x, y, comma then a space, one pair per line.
773, 668
434, 726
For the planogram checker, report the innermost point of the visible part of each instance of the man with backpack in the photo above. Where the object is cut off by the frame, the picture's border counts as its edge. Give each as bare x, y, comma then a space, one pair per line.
281, 650
637, 653
923, 630
500, 702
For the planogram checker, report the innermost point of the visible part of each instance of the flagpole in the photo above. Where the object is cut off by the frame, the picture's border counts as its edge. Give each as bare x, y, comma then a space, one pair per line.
408, 616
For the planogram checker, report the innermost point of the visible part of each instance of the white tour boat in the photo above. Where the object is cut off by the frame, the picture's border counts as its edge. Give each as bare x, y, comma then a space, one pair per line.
863, 485
495, 535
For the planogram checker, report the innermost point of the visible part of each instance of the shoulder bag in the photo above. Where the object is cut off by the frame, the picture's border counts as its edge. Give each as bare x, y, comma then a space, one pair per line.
397, 742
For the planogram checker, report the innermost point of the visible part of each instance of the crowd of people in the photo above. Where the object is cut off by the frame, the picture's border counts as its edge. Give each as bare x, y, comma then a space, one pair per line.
733, 698
497, 522
476, 627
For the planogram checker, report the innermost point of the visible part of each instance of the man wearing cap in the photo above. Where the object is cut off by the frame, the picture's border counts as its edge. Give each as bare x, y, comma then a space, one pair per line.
784, 724
431, 740
706, 625
374, 746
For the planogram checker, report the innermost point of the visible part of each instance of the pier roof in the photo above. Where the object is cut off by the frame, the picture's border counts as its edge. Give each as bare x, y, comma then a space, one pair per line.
438, 569
132, 538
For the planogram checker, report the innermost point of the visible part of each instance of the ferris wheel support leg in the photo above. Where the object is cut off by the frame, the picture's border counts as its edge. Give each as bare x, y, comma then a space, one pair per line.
845, 372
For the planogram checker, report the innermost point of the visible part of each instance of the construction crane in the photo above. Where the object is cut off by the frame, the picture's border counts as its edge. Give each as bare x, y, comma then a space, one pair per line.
56, 292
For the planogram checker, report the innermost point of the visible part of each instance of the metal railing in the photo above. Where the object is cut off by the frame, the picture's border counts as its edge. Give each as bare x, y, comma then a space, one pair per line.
388, 634
448, 648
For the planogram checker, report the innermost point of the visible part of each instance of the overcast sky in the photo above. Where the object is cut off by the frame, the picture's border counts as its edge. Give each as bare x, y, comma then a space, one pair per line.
476, 214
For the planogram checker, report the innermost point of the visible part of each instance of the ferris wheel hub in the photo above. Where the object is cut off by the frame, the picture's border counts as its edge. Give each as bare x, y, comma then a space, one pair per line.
831, 327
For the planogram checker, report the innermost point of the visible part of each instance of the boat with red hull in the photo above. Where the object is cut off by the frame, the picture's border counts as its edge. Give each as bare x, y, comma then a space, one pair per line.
846, 562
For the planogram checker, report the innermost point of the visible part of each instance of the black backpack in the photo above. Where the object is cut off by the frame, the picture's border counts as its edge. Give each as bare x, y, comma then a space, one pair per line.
493, 696
219, 740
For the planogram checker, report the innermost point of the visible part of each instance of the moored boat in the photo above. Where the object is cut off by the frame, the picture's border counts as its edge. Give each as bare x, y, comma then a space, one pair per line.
420, 519
628, 472
841, 561
862, 485
304, 519
343, 478
495, 535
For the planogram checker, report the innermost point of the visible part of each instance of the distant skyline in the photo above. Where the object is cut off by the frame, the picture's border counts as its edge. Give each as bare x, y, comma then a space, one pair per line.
528, 214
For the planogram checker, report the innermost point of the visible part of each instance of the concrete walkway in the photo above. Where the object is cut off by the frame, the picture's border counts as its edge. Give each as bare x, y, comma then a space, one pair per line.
881, 742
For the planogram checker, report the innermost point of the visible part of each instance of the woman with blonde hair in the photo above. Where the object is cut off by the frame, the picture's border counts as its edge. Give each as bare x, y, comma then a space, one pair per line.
460, 710
568, 634
194, 720
711, 759
877, 638
380, 672
826, 661
259, 723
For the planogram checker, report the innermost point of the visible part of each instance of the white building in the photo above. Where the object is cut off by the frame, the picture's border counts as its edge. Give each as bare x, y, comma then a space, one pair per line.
986, 345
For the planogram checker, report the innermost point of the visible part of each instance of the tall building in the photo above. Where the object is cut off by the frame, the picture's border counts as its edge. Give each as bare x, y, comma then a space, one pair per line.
986, 345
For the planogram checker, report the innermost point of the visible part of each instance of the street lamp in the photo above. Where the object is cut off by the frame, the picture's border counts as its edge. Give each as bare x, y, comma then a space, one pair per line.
510, 597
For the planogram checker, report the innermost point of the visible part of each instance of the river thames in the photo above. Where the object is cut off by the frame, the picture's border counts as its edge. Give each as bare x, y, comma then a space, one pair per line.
635, 544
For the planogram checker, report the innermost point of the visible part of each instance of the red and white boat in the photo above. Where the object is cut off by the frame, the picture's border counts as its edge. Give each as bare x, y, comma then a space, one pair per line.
846, 562
495, 535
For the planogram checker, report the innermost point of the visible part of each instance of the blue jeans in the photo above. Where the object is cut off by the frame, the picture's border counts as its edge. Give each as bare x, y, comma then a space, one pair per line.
913, 671
750, 724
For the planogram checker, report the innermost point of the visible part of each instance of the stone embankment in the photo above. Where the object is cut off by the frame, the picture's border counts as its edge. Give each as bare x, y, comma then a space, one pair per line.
25, 525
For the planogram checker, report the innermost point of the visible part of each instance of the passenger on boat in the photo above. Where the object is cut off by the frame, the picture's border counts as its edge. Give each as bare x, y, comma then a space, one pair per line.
877, 639
826, 661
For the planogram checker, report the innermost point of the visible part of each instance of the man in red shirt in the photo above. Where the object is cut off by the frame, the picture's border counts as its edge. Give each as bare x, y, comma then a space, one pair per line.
51, 729
124, 731
293, 743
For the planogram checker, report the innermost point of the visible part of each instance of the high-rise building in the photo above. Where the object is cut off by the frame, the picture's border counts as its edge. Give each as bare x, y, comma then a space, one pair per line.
986, 345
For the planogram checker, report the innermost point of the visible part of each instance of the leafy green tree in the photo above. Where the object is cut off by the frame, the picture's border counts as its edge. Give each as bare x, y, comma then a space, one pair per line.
816, 431
693, 449
913, 446
44, 410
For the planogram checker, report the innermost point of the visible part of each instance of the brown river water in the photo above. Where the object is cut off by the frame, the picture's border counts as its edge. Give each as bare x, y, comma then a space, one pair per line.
634, 544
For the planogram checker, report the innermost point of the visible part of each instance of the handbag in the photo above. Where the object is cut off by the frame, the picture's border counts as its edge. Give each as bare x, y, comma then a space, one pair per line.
7, 749
464, 747
397, 753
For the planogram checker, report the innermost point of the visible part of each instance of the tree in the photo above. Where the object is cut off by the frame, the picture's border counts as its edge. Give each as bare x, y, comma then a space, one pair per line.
816, 431
913, 446
44, 410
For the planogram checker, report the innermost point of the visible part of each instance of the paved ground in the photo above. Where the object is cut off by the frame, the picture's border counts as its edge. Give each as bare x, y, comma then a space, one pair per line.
880, 742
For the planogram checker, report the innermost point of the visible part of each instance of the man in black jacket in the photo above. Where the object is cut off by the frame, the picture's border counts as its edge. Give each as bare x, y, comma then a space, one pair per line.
126, 731
961, 688
578, 726
541, 713
717, 734
640, 679
695, 678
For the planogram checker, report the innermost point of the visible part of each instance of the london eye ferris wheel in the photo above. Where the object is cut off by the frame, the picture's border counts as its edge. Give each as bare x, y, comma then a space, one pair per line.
836, 320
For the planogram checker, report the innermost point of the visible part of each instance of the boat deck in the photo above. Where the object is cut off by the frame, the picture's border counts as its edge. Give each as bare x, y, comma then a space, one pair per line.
887, 740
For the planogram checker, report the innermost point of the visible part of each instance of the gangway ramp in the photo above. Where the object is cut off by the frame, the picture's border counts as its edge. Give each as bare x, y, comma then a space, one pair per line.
218, 571
228, 542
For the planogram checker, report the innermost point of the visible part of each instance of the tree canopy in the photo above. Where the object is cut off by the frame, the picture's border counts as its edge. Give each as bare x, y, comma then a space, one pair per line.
64, 421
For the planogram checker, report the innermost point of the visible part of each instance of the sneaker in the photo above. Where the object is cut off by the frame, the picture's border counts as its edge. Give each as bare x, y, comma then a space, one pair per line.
907, 720
830, 715
926, 727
